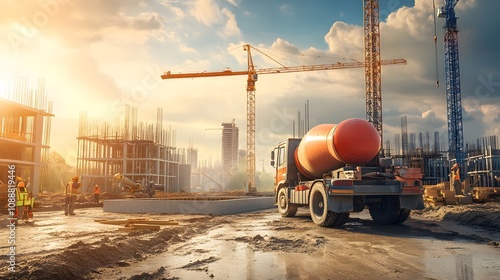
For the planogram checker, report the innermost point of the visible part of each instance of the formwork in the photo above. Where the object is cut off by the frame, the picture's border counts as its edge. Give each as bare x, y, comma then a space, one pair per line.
189, 205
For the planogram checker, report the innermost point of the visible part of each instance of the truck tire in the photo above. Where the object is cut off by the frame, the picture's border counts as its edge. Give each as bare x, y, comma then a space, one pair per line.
318, 205
284, 207
342, 218
386, 212
403, 216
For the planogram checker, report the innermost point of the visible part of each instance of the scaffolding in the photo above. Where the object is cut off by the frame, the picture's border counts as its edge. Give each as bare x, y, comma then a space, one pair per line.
483, 157
25, 122
483, 162
137, 150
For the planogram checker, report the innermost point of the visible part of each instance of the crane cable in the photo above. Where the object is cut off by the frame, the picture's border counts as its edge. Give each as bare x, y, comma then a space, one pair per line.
435, 44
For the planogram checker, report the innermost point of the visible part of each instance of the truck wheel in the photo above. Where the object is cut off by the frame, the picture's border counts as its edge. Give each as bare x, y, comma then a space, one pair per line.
318, 205
284, 207
386, 212
403, 216
342, 218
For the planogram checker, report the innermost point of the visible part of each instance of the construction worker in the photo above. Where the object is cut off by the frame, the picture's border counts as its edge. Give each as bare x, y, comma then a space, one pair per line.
21, 201
29, 204
72, 191
97, 191
455, 179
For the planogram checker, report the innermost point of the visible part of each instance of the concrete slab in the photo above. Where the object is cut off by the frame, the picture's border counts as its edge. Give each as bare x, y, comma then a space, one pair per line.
189, 205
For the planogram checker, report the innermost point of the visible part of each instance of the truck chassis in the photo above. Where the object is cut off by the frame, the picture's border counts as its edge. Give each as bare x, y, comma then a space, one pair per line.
333, 198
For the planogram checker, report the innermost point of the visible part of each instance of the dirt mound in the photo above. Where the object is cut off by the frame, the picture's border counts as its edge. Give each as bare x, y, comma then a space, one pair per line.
485, 215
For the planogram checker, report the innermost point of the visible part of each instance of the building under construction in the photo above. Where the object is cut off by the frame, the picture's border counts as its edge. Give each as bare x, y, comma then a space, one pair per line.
483, 162
417, 150
135, 149
25, 119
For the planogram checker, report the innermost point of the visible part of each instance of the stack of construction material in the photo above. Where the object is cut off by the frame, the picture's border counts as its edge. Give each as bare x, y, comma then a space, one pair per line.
449, 193
439, 195
433, 195
484, 194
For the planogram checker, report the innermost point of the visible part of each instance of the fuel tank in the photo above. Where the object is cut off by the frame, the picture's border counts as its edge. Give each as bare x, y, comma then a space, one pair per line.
326, 147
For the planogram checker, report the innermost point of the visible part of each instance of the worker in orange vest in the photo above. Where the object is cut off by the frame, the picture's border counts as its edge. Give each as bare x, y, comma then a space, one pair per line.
455, 179
97, 192
72, 191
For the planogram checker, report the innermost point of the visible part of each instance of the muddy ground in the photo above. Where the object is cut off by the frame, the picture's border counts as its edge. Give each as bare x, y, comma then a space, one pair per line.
449, 242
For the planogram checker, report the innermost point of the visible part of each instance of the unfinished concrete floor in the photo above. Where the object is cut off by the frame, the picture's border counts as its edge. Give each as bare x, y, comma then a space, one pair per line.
210, 205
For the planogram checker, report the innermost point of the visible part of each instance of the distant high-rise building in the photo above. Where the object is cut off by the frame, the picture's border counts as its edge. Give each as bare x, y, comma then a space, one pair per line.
192, 158
230, 135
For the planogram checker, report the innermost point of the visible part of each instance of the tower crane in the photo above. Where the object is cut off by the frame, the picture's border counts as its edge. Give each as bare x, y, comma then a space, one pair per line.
452, 73
373, 80
252, 77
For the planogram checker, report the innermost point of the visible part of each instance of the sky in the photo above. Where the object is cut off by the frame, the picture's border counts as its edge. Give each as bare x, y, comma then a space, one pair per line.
98, 55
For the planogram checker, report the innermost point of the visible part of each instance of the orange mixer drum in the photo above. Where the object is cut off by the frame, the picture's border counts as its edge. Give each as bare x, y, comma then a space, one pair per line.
329, 146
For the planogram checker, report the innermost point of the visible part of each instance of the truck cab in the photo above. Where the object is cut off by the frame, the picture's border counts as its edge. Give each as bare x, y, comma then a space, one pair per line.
282, 159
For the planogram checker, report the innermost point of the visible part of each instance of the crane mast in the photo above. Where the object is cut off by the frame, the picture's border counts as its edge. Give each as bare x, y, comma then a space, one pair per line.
452, 73
372, 65
252, 78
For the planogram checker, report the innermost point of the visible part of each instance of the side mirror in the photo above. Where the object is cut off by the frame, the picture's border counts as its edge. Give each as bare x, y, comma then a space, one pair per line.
272, 163
272, 155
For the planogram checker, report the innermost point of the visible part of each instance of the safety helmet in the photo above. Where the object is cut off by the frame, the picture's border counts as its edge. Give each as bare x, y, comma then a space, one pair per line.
75, 178
21, 184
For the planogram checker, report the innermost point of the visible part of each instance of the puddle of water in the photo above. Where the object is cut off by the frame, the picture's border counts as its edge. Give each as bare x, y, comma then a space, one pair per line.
207, 255
446, 260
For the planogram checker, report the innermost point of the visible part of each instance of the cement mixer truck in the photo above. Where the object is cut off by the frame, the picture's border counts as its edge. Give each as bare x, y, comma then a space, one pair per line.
334, 170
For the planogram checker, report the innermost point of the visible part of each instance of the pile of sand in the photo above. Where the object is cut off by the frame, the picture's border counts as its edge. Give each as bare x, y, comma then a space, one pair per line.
485, 215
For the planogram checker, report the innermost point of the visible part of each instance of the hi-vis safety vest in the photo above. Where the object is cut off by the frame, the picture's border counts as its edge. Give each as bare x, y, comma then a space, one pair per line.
72, 188
97, 190
22, 196
456, 174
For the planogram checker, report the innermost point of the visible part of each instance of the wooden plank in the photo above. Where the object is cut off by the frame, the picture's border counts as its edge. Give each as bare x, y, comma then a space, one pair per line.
137, 221
141, 226
165, 223
115, 222
126, 229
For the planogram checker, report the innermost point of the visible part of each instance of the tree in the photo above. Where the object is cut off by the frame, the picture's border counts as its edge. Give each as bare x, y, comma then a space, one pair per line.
59, 172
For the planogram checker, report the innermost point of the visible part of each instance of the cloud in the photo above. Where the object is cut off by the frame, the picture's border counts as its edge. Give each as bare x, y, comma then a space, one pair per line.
233, 2
287, 10
207, 12
147, 21
345, 40
231, 28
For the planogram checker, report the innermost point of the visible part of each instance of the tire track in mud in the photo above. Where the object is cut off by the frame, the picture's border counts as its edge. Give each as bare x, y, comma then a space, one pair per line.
82, 260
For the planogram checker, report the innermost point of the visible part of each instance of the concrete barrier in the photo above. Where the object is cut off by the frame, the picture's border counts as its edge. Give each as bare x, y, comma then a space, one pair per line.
212, 206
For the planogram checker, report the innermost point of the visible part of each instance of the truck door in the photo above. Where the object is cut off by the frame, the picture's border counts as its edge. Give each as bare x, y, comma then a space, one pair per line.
280, 164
